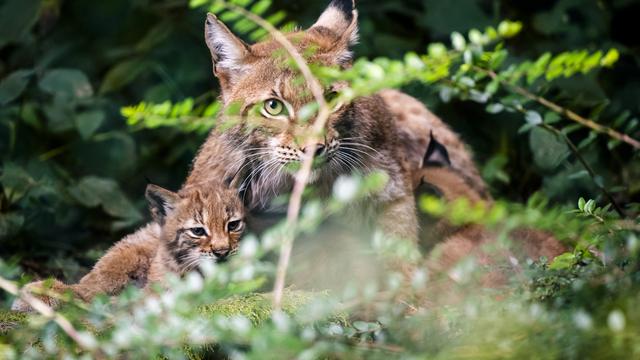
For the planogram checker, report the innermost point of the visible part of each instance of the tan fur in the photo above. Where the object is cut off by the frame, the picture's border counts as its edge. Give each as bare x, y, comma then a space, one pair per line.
152, 252
494, 263
415, 124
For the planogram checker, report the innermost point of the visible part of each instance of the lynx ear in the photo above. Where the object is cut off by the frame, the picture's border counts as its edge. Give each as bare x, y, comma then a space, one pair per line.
436, 155
340, 18
228, 52
161, 202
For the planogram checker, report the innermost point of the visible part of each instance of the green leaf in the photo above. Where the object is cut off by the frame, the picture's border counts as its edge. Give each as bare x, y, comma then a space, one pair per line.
610, 58
581, 203
549, 150
15, 181
476, 37
16, 19
437, 50
59, 116
591, 62
366, 326
88, 122
563, 261
551, 117
260, 7
122, 74
13, 85
494, 108
92, 191
509, 29
533, 117
67, 83
10, 224
458, 41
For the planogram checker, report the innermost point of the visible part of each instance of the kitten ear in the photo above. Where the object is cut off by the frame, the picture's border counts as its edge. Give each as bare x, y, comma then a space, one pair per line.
436, 155
228, 52
161, 202
341, 19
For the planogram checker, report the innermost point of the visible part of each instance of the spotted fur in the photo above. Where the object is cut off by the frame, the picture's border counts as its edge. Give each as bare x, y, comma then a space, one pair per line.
164, 246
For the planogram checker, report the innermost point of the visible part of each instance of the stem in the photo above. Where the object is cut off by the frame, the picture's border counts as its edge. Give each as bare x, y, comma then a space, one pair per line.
563, 111
585, 164
302, 176
46, 311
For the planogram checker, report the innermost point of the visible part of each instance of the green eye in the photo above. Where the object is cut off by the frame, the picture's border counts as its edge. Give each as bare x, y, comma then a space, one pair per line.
274, 107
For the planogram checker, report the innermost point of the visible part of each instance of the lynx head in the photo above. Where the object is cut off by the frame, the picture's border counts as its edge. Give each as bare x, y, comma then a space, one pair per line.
260, 80
198, 225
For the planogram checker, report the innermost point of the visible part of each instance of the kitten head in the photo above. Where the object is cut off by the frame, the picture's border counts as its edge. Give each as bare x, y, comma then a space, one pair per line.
198, 225
261, 80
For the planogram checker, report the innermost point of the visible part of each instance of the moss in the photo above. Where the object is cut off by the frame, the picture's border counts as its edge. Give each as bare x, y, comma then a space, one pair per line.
257, 307
10, 319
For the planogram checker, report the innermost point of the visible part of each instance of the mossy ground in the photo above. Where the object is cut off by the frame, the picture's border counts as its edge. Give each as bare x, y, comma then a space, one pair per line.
256, 307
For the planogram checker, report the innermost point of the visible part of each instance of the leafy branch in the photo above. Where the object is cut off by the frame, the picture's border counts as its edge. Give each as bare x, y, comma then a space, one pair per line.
561, 110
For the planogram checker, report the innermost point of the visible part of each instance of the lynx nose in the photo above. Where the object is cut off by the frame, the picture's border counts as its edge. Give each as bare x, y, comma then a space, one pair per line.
319, 149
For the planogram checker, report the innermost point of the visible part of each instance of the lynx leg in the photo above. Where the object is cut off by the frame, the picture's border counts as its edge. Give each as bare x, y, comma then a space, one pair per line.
127, 262
398, 219
38, 290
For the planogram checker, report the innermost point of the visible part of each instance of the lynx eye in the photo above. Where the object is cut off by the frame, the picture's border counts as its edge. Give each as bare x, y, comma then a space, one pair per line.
330, 96
274, 107
198, 231
235, 225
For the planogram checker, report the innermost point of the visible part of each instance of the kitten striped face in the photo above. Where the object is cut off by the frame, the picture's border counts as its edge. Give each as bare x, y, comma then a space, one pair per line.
198, 224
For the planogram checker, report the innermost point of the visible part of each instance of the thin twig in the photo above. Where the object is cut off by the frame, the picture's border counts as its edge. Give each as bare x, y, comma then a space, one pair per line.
585, 164
46, 311
302, 176
562, 111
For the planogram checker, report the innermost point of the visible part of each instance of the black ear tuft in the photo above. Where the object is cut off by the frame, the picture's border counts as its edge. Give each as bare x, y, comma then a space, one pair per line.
161, 202
340, 17
345, 6
436, 155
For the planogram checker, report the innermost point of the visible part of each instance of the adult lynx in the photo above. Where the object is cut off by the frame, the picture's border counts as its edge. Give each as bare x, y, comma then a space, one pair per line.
387, 132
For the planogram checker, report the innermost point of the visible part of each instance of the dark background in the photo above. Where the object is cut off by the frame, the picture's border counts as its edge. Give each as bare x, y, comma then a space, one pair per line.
73, 172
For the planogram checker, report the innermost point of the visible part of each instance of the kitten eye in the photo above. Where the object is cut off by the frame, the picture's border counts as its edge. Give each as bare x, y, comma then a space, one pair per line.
198, 231
275, 107
234, 225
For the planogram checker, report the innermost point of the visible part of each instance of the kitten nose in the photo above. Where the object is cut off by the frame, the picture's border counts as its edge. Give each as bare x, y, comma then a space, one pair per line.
319, 149
221, 254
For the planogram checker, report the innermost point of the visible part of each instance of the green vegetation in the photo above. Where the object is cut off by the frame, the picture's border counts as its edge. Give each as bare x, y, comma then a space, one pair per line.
98, 98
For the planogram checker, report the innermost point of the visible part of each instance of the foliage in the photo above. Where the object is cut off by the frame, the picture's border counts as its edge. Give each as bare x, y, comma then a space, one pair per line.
551, 117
